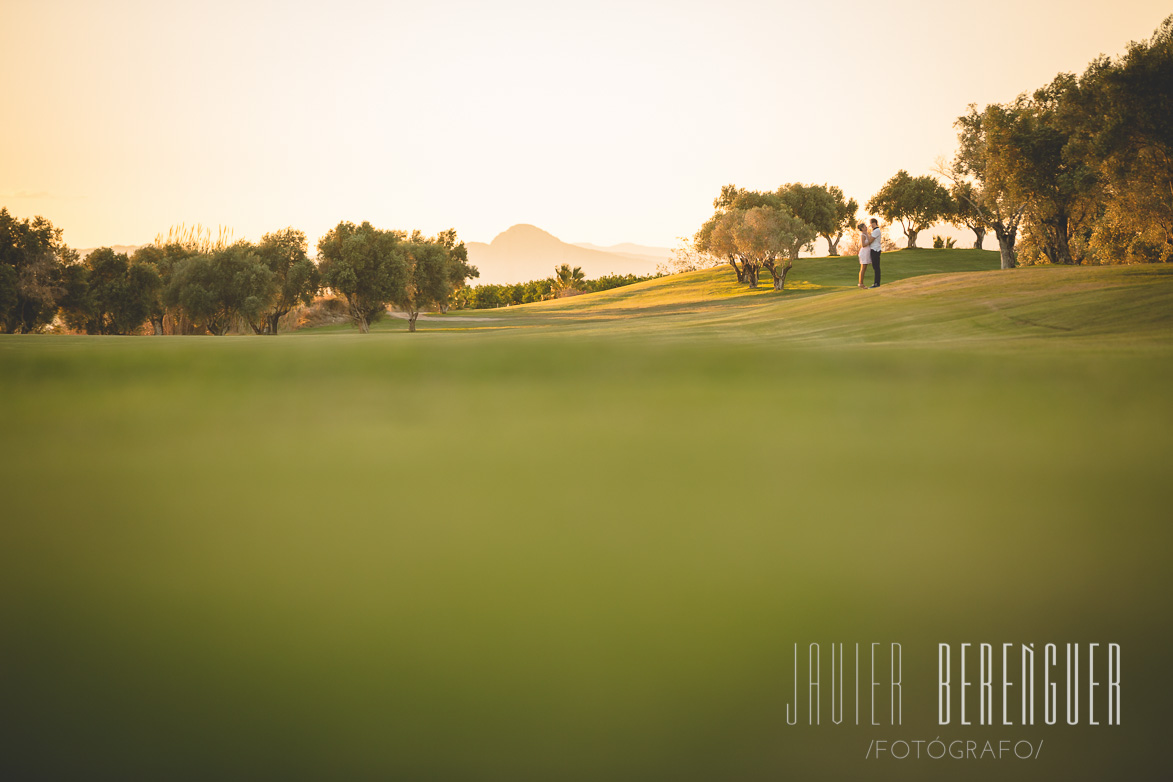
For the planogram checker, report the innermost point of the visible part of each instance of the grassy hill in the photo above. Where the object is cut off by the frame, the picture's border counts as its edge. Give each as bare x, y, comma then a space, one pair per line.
578, 540
930, 297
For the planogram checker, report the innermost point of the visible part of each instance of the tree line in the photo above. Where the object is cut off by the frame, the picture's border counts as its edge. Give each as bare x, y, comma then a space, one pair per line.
189, 283
1079, 171
1082, 168
564, 281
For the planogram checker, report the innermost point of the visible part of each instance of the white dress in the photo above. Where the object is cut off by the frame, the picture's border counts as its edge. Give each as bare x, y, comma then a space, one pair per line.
865, 252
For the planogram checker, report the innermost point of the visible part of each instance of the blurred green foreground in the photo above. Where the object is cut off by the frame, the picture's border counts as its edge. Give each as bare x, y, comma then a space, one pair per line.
543, 549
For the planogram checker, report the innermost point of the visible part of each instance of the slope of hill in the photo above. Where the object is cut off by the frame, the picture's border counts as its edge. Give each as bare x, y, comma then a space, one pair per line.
929, 297
525, 252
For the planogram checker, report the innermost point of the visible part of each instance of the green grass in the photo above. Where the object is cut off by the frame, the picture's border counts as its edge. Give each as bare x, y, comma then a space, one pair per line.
942, 298
578, 540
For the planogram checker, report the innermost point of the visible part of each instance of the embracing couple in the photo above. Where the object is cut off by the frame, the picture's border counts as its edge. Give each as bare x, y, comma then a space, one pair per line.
869, 252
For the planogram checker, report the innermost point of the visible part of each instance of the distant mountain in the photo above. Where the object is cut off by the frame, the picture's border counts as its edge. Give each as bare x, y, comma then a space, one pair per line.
118, 248
526, 252
660, 254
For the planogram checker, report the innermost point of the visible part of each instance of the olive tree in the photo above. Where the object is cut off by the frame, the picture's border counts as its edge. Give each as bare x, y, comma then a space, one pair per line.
108, 294
426, 282
367, 266
980, 184
772, 237
815, 205
33, 259
966, 211
213, 289
716, 238
845, 214
460, 271
296, 277
913, 202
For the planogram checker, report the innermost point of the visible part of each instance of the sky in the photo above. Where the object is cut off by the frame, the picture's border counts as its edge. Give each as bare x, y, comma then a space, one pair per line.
601, 122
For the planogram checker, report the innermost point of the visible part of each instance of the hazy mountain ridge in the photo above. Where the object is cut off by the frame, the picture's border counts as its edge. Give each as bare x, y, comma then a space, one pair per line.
118, 248
628, 248
525, 252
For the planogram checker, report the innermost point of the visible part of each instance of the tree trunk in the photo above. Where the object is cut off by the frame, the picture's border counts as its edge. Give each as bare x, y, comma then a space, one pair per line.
980, 233
1006, 245
739, 269
1060, 248
273, 320
363, 326
157, 325
411, 316
780, 275
832, 245
911, 234
751, 275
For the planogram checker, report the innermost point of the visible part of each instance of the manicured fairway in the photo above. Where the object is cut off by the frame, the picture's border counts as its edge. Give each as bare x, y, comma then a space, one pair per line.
578, 540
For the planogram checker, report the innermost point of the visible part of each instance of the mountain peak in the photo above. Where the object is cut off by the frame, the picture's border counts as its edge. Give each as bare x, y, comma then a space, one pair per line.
525, 252
525, 233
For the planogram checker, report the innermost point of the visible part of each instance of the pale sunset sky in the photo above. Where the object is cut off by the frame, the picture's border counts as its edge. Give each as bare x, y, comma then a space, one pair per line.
604, 122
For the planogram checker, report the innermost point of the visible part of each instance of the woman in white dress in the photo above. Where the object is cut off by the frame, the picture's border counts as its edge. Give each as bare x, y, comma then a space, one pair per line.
865, 253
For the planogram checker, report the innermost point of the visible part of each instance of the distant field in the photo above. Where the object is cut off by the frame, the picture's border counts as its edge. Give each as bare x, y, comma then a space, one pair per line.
577, 540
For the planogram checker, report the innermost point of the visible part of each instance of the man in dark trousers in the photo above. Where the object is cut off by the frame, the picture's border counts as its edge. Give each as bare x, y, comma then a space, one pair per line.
875, 247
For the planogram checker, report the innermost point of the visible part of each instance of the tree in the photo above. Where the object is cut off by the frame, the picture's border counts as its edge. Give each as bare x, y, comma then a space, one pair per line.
722, 240
712, 239
991, 196
296, 277
1130, 140
35, 258
966, 210
1084, 165
8, 295
568, 279
771, 237
1035, 143
817, 206
166, 254
716, 237
427, 283
845, 218
212, 289
366, 266
108, 294
486, 297
914, 202
460, 270
155, 258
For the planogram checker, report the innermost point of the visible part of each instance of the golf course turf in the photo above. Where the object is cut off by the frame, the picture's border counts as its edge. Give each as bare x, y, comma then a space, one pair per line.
579, 539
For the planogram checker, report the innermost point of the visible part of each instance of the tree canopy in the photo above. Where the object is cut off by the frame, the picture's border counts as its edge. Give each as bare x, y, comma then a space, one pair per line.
817, 206
33, 258
846, 210
1083, 165
296, 277
373, 268
428, 283
752, 230
107, 293
366, 266
213, 288
913, 202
